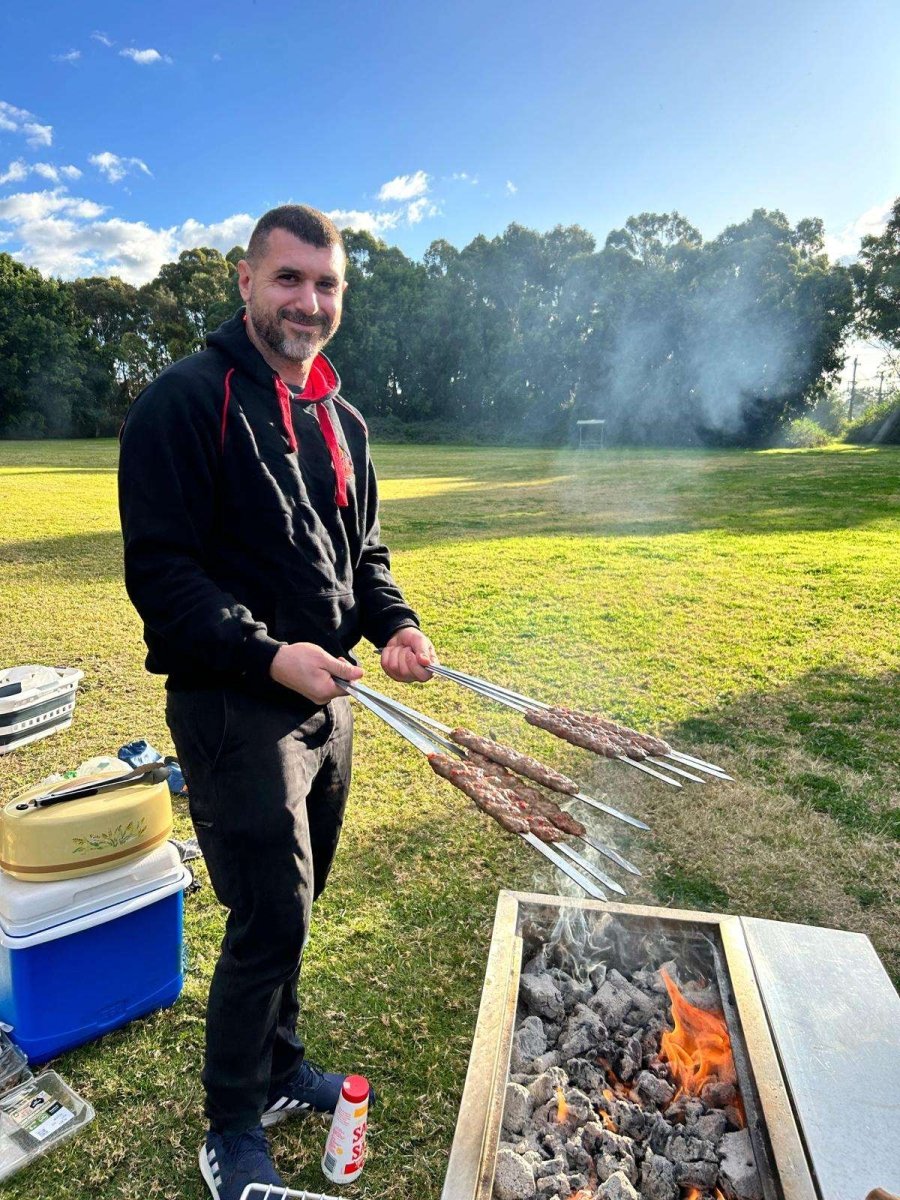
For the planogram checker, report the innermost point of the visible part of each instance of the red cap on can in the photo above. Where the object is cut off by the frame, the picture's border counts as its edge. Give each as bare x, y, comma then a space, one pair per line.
355, 1089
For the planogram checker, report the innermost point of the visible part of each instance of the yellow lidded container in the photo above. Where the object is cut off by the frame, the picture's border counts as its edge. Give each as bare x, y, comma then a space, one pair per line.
86, 834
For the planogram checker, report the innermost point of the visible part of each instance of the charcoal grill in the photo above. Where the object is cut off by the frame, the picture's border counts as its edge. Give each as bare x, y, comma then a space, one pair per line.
815, 1029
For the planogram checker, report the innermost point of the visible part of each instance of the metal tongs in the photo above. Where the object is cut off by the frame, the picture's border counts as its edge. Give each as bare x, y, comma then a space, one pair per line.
423, 733
522, 704
155, 772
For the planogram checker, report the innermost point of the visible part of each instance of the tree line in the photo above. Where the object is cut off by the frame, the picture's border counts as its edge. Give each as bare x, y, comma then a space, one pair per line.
670, 339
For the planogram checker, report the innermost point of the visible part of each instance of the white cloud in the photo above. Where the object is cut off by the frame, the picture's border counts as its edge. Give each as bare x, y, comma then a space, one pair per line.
144, 57
404, 187
19, 120
464, 177
15, 172
70, 57
61, 235
217, 57
100, 37
419, 209
54, 174
36, 206
115, 167
371, 222
511, 187
843, 245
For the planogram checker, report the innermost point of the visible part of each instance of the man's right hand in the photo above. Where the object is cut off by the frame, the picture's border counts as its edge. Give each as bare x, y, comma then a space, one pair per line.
308, 669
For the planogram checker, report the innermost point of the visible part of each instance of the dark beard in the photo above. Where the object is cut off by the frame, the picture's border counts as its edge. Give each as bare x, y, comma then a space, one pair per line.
304, 342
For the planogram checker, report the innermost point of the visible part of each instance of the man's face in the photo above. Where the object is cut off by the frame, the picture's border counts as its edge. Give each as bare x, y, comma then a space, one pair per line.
294, 295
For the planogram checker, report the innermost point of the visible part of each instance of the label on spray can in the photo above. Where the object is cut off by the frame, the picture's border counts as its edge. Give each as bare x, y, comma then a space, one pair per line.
345, 1150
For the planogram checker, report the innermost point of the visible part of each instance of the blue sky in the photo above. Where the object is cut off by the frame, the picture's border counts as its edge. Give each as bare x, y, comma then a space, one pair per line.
129, 131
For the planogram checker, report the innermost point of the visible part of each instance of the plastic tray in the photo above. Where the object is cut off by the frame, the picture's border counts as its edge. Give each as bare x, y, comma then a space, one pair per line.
34, 702
36, 1116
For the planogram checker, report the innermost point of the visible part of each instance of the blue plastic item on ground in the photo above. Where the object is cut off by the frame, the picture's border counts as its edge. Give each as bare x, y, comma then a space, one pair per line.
139, 753
73, 980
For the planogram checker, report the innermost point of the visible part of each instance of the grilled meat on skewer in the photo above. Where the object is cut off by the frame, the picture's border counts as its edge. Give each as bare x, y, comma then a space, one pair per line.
522, 764
578, 735
512, 811
645, 741
534, 800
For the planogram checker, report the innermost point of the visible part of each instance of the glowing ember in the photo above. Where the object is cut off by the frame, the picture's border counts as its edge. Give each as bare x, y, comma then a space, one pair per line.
562, 1109
698, 1049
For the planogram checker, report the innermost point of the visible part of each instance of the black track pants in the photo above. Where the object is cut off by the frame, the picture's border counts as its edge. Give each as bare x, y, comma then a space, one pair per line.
267, 798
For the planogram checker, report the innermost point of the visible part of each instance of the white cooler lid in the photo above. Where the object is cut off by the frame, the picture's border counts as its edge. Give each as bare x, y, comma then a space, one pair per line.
27, 908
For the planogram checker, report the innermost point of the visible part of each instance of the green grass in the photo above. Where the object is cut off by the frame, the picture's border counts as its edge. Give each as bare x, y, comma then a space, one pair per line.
743, 603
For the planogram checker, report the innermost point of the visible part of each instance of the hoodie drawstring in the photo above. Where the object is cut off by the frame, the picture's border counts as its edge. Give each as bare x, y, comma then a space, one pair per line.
284, 403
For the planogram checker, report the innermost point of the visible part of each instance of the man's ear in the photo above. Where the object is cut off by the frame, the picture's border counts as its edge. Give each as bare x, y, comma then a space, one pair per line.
245, 279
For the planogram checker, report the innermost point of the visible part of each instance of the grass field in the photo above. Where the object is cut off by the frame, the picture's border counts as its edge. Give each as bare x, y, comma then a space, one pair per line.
744, 604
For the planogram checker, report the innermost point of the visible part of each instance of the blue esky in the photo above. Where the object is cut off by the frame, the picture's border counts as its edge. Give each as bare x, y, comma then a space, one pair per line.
129, 131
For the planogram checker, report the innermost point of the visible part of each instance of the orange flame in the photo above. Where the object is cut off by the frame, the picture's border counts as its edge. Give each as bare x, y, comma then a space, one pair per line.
562, 1109
698, 1049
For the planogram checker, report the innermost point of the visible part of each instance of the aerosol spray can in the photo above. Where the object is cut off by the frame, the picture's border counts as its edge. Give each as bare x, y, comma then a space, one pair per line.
345, 1150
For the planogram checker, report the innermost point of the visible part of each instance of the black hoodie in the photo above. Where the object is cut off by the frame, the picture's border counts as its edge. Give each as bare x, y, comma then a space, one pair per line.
250, 519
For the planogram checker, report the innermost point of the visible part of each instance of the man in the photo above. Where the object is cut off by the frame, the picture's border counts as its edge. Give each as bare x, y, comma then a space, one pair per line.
252, 553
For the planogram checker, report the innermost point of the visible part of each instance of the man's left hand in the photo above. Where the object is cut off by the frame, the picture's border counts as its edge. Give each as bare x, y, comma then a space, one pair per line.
406, 655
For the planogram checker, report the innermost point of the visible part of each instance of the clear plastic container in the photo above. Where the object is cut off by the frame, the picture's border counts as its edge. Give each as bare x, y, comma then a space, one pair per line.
13, 1065
35, 1117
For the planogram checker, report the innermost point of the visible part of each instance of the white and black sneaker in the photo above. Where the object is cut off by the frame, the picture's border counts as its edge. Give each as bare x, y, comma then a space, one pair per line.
230, 1162
312, 1090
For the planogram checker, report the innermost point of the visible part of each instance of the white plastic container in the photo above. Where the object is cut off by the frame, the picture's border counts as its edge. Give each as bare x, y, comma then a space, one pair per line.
37, 1116
35, 702
345, 1150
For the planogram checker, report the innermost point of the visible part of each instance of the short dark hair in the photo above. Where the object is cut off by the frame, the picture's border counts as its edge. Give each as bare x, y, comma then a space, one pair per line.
305, 223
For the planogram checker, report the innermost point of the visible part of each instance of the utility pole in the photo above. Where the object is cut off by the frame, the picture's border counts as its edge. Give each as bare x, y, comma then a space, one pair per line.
852, 390
880, 385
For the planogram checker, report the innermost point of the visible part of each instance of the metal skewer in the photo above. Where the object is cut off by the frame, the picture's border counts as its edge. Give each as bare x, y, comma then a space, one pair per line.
559, 861
612, 855
421, 719
677, 770
589, 868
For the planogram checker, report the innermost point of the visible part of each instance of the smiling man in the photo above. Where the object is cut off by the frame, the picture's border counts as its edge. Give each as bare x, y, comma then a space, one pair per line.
253, 554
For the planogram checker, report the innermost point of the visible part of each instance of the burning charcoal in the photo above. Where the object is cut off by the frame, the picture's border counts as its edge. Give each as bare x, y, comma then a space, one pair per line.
592, 1136
579, 1106
573, 991
615, 1153
554, 1143
544, 1087
529, 1042
616, 1187
542, 997
631, 1058
538, 964
553, 1185
513, 1177
578, 1182
697, 1174
557, 1165
629, 1119
685, 1148
655, 980
649, 1087
685, 1110
583, 1034
577, 1155
611, 1002
658, 1179
659, 1134
734, 1117
586, 1076
717, 1094
517, 1108
711, 1126
738, 1175
598, 975
545, 1063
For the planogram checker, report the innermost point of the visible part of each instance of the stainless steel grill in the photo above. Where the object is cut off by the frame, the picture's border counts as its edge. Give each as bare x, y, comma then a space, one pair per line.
815, 1030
